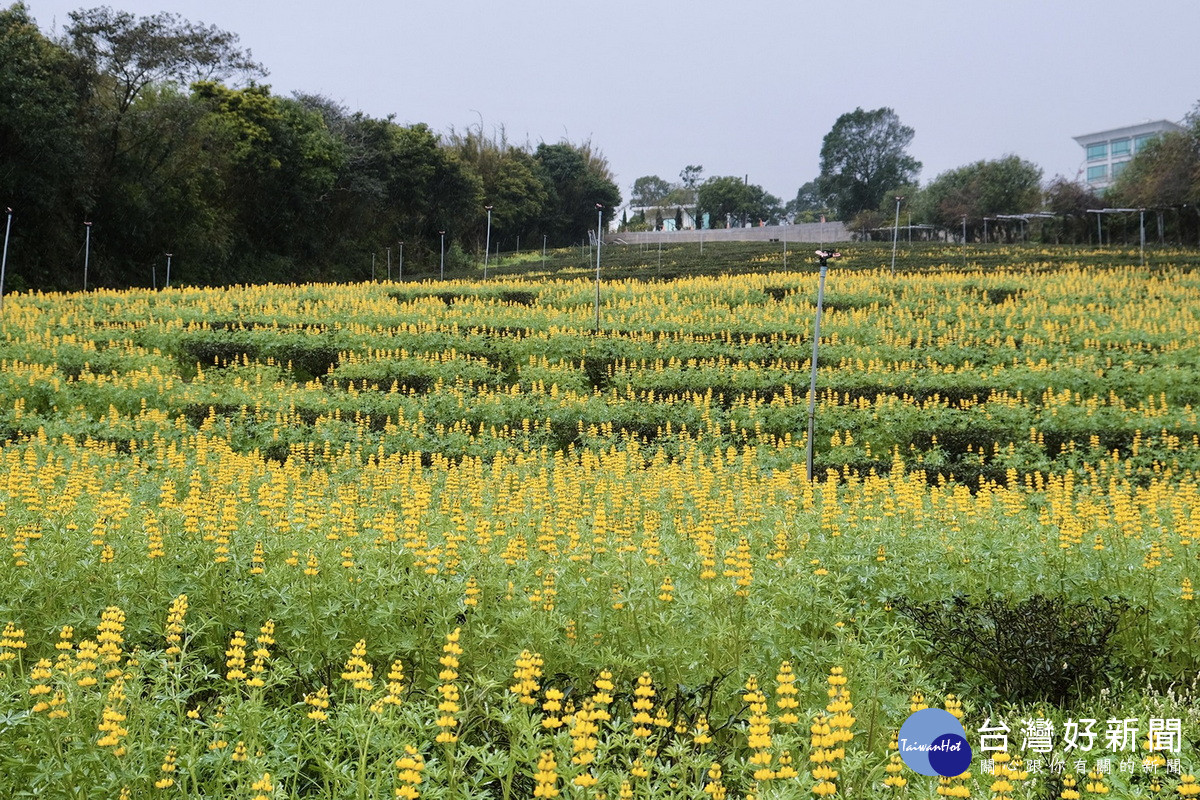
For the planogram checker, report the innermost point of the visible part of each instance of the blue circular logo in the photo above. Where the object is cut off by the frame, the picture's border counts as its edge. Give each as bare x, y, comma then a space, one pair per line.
933, 742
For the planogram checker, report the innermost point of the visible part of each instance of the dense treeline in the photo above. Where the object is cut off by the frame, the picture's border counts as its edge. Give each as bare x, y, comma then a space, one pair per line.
156, 131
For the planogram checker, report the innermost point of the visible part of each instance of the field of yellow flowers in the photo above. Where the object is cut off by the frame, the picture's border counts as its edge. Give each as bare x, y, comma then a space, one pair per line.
449, 540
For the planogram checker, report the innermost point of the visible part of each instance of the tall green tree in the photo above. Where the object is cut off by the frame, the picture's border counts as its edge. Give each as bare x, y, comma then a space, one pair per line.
42, 167
512, 185
441, 193
142, 142
1166, 174
807, 205
726, 198
689, 176
280, 166
579, 179
1069, 201
862, 155
361, 198
1008, 185
649, 191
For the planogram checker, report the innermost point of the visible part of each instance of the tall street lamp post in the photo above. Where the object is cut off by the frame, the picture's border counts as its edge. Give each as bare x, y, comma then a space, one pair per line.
442, 268
785, 224
4, 258
896, 232
487, 244
599, 223
822, 256
87, 252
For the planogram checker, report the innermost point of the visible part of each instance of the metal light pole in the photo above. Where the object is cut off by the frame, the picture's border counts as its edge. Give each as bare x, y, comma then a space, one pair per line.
487, 244
544, 237
599, 222
443, 256
1142, 218
823, 256
4, 258
400, 274
1100, 212
896, 232
785, 245
87, 252
964, 241
389, 264
168, 270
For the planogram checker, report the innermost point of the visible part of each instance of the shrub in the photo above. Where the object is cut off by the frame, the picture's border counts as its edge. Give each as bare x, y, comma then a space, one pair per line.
1037, 649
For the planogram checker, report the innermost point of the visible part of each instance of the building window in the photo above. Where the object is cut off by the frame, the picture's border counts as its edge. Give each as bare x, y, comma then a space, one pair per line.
1097, 173
1141, 141
1118, 168
1120, 147
1095, 152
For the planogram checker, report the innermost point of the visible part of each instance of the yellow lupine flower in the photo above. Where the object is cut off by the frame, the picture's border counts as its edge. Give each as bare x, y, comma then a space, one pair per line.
409, 767
263, 786
167, 769
319, 702
545, 779
357, 671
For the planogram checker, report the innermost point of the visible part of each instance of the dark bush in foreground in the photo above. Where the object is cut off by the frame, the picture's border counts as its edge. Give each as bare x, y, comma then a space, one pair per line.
1038, 649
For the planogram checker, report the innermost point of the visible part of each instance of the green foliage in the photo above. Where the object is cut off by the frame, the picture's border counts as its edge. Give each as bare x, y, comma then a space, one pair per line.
125, 122
862, 155
578, 180
1007, 185
1165, 174
807, 205
41, 172
1070, 200
648, 191
732, 198
1039, 649
134, 53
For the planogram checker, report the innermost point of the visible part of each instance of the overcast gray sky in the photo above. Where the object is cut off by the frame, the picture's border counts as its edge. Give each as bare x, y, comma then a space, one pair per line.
745, 88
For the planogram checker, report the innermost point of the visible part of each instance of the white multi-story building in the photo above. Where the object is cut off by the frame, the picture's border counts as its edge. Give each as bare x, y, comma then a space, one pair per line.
1108, 152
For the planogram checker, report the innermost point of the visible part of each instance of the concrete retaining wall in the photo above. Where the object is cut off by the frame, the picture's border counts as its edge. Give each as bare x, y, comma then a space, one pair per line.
801, 232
